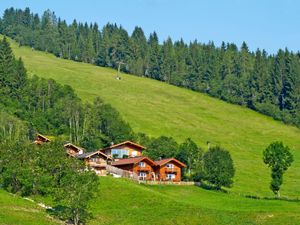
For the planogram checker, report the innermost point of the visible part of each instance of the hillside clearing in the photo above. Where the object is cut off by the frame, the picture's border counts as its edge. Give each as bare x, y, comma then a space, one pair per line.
156, 108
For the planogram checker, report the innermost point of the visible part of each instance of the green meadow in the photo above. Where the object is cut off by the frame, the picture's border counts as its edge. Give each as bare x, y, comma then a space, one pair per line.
125, 202
17, 211
157, 108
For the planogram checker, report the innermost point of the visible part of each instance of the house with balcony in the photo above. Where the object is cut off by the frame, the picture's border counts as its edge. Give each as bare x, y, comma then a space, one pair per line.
73, 150
169, 169
142, 166
96, 161
126, 149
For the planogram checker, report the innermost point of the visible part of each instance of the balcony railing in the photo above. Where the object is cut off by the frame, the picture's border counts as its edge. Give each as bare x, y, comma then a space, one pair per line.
144, 168
171, 170
97, 164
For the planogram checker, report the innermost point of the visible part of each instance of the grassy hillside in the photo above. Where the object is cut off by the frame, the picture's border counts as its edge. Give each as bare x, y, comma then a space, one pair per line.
157, 109
17, 211
124, 202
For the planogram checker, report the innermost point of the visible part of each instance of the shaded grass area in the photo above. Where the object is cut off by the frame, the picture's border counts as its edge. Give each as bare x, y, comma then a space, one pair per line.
18, 211
157, 108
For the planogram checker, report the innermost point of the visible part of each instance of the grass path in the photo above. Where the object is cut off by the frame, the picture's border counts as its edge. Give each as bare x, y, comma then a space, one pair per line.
157, 108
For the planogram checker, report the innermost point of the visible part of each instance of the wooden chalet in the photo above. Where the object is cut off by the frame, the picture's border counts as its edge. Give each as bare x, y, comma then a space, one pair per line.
73, 150
169, 169
126, 149
96, 161
40, 139
142, 166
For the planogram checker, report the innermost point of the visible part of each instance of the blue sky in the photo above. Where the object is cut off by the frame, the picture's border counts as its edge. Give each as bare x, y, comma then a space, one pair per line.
268, 24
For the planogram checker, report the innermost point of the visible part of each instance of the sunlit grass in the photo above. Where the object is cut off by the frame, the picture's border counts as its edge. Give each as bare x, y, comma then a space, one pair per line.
157, 108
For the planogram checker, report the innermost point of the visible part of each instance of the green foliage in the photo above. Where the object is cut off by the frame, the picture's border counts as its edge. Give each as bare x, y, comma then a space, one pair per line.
279, 159
162, 147
51, 108
28, 169
162, 109
76, 190
233, 74
190, 154
218, 167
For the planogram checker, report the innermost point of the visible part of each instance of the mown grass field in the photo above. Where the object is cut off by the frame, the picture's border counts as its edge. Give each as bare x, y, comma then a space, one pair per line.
124, 202
17, 211
157, 108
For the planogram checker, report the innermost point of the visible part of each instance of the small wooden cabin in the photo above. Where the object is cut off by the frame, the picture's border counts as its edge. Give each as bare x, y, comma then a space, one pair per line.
96, 161
142, 166
169, 169
126, 149
73, 150
40, 139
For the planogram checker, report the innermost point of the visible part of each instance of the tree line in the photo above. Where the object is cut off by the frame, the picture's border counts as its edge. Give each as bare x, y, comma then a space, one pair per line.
266, 83
31, 104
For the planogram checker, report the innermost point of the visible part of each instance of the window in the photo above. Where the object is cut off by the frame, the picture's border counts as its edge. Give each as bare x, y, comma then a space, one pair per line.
142, 164
142, 175
170, 176
134, 153
119, 153
94, 159
170, 165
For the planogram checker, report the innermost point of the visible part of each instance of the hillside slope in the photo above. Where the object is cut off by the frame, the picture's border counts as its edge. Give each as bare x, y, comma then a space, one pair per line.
157, 109
123, 202
17, 211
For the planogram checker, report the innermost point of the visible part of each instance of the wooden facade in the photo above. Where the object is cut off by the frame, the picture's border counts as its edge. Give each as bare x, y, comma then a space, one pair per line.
142, 166
169, 169
96, 161
146, 169
40, 139
123, 150
73, 150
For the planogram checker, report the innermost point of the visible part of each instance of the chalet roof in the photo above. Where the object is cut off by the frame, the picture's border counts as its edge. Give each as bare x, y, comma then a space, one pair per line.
74, 146
43, 137
89, 154
133, 160
165, 161
123, 143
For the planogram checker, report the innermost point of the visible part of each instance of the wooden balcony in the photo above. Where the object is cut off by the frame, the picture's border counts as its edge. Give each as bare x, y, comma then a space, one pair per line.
97, 164
171, 170
143, 168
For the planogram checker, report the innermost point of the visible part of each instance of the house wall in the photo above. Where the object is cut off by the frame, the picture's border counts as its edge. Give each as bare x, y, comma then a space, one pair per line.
148, 169
162, 172
73, 151
137, 169
131, 149
128, 167
99, 166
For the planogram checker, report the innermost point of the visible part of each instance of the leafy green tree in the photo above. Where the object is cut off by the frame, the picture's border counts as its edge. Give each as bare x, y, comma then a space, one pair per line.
279, 159
190, 154
162, 147
218, 167
74, 193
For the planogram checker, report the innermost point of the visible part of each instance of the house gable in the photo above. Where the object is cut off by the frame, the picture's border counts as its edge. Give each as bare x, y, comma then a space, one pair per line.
128, 148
